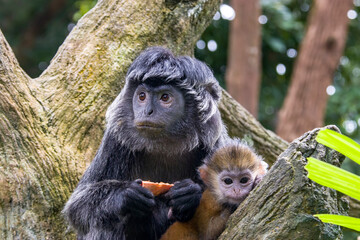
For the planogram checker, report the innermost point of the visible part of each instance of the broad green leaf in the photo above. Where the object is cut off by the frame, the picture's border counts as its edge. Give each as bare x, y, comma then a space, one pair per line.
340, 143
345, 221
333, 177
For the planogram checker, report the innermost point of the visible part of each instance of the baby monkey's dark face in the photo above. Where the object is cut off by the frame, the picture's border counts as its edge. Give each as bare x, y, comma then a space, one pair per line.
235, 185
157, 110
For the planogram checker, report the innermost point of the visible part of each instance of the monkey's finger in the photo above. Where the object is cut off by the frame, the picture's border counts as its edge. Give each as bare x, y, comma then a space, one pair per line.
138, 181
185, 202
184, 208
138, 205
140, 198
182, 183
140, 190
184, 190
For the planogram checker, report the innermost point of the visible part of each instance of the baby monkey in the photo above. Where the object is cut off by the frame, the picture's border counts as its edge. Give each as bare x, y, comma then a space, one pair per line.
229, 175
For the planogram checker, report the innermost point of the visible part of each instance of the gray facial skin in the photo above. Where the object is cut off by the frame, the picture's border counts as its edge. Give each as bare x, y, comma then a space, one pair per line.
157, 109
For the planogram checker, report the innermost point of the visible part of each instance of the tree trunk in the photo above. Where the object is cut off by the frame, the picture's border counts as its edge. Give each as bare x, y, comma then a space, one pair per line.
51, 127
320, 51
244, 55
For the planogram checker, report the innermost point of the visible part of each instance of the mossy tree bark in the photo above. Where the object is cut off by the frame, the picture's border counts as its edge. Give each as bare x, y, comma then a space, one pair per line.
51, 127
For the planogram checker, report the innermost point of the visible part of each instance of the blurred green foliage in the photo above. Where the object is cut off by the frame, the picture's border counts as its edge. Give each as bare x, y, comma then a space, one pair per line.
283, 26
34, 31
83, 7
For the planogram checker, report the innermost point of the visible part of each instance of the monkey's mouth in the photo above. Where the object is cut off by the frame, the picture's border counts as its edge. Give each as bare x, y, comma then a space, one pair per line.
148, 125
235, 200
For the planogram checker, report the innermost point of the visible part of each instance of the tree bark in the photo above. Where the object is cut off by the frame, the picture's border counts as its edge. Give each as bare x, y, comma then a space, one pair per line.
283, 204
51, 127
320, 51
244, 55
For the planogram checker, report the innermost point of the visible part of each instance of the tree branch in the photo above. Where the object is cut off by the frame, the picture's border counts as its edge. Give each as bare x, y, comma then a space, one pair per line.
36, 176
18, 107
241, 123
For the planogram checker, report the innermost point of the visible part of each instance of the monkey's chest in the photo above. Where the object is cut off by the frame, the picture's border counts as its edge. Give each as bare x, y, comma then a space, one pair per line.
166, 169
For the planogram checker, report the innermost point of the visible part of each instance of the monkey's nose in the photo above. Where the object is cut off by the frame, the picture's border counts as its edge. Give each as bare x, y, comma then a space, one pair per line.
236, 191
150, 112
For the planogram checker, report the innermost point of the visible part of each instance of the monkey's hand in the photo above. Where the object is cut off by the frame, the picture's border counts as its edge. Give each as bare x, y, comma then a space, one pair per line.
184, 198
136, 201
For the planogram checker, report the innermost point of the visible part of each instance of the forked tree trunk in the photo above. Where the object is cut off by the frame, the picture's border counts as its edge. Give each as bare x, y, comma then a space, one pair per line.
51, 127
320, 52
244, 55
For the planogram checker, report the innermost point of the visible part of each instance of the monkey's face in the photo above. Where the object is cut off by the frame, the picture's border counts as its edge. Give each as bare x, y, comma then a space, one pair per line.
158, 111
235, 185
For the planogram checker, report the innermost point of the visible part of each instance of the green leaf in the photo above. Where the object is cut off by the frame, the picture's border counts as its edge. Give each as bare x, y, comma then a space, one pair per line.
340, 143
345, 221
333, 177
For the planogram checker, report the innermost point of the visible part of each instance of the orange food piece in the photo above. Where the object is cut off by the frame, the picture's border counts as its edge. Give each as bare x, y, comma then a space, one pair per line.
157, 188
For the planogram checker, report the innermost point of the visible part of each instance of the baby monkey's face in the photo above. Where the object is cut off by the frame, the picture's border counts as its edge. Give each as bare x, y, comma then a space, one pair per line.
235, 185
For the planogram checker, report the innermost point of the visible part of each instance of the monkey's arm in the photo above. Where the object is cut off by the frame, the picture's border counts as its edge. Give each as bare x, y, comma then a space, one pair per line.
108, 202
106, 198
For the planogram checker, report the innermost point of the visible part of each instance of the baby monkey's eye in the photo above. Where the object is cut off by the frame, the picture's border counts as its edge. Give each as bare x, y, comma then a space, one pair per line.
228, 181
165, 97
142, 96
244, 180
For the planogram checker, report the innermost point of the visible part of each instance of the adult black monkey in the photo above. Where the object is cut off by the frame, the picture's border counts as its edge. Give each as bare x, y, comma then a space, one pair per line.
159, 128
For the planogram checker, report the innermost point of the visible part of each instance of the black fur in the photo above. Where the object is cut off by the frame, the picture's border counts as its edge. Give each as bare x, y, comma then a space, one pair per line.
108, 203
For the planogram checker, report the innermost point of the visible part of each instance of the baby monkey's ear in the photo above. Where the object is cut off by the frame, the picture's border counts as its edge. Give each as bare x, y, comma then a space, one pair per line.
260, 173
204, 175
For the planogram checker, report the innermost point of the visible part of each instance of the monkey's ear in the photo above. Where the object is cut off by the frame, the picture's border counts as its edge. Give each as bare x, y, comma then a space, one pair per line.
257, 180
203, 172
263, 168
260, 173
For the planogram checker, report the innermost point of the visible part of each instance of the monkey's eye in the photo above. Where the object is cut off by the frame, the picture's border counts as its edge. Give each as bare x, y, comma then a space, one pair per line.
142, 96
165, 97
244, 180
228, 181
